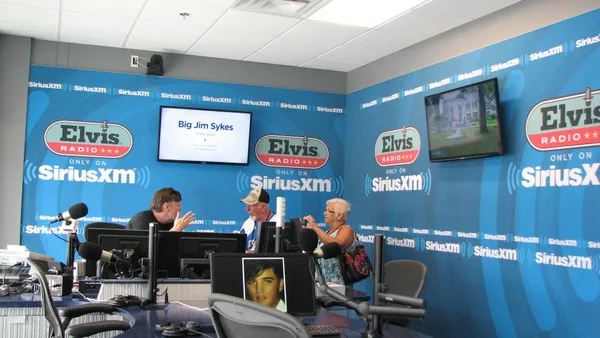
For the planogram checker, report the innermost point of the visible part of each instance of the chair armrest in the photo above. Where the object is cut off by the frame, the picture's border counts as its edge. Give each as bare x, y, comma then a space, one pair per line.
80, 310
89, 329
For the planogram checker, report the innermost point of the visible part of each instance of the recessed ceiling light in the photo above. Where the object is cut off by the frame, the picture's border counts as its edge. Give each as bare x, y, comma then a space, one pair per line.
363, 13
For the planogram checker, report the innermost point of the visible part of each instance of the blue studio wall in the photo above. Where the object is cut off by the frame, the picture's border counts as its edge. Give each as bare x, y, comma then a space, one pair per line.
118, 181
512, 249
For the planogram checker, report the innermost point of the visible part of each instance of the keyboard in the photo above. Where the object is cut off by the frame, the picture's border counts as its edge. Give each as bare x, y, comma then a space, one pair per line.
322, 330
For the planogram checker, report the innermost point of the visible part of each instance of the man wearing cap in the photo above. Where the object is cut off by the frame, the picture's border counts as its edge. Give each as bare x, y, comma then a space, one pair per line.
257, 206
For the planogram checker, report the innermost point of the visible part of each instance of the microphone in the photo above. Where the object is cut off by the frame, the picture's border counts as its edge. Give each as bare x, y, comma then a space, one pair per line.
588, 96
308, 240
403, 300
93, 252
75, 211
305, 139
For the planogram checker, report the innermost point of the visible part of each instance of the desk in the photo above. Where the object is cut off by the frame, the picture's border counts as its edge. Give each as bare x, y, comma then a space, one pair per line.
22, 316
145, 320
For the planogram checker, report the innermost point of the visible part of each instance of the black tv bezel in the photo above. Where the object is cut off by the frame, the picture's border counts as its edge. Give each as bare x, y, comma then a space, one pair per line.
160, 112
501, 150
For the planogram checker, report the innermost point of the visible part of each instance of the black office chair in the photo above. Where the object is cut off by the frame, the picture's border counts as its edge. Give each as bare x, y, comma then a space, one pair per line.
405, 278
59, 328
101, 225
235, 317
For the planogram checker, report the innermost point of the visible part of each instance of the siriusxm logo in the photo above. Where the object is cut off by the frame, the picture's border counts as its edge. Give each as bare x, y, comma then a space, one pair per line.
577, 262
539, 177
99, 175
454, 248
507, 254
401, 242
44, 230
420, 182
308, 184
366, 238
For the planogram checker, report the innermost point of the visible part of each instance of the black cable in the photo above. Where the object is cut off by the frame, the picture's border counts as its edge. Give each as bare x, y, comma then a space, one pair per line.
52, 231
9, 268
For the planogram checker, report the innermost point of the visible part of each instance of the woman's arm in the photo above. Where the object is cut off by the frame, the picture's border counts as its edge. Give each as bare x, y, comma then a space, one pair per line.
344, 237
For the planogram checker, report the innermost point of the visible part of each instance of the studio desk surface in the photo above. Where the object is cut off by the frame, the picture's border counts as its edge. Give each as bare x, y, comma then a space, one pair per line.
144, 320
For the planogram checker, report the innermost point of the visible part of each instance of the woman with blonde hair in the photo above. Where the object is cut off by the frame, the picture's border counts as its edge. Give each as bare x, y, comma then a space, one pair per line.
336, 214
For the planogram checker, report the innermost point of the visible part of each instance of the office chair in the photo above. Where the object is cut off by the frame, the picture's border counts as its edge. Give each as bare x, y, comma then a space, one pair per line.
405, 278
58, 329
101, 225
235, 317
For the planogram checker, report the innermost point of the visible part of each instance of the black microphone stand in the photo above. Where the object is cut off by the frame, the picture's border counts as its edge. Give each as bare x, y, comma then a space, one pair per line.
72, 243
416, 309
152, 258
376, 328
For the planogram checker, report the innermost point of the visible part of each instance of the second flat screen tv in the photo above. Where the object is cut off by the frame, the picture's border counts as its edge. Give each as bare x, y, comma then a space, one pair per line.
204, 136
464, 123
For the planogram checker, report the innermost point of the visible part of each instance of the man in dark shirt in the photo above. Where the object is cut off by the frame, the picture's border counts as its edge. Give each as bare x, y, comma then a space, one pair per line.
164, 210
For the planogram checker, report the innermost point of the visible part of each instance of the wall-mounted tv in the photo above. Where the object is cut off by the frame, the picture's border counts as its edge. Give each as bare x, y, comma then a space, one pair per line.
464, 123
204, 136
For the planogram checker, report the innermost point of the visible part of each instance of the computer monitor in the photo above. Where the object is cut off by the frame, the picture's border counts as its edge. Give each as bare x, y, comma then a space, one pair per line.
134, 243
186, 253
173, 247
265, 242
258, 277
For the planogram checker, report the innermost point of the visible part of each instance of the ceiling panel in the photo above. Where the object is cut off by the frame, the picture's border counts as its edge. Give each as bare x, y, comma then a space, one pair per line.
214, 3
371, 46
305, 41
426, 24
163, 36
466, 8
169, 11
38, 22
128, 8
51, 4
340, 66
104, 30
228, 44
256, 23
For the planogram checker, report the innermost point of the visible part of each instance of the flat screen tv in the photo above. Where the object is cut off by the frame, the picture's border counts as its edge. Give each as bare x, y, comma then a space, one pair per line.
464, 123
204, 136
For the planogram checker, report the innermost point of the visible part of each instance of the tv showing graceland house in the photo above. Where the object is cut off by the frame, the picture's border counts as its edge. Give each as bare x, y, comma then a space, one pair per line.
464, 122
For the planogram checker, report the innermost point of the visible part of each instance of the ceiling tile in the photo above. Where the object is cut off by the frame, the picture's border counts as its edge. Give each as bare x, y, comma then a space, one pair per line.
427, 24
371, 46
103, 30
255, 23
29, 21
129, 8
228, 44
340, 66
213, 3
50, 4
163, 36
169, 11
466, 8
305, 41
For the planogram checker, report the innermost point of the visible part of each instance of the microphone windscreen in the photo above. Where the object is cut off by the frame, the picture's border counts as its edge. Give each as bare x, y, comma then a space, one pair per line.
331, 250
308, 240
78, 210
90, 251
